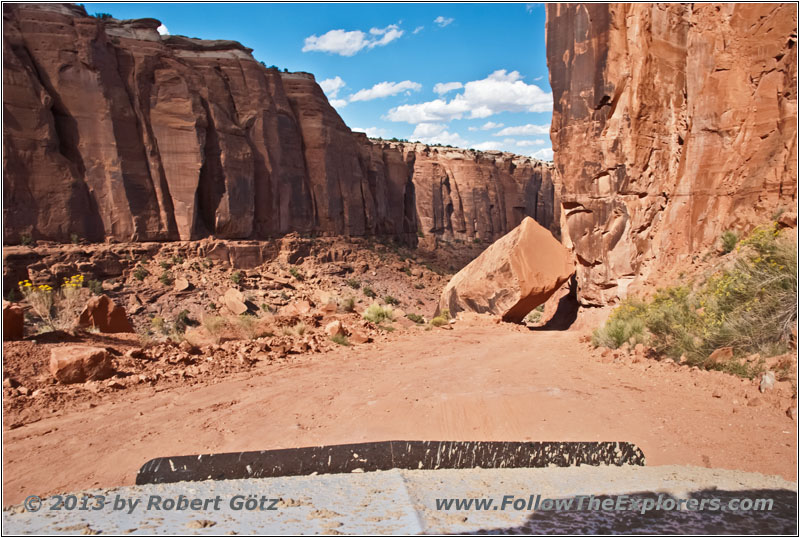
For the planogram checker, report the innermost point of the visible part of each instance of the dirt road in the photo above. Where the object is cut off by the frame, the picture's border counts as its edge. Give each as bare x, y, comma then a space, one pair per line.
480, 381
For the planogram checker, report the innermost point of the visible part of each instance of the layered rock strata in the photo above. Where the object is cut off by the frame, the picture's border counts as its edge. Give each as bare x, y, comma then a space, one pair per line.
114, 132
671, 124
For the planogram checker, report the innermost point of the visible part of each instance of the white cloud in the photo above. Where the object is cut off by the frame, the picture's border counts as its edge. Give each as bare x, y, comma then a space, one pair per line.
443, 21
490, 125
331, 86
418, 29
349, 43
338, 103
437, 133
488, 146
372, 132
162, 30
385, 89
544, 154
530, 7
528, 143
499, 92
390, 33
528, 129
444, 87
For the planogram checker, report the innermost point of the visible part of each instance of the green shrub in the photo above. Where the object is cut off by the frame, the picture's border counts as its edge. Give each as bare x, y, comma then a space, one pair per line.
369, 292
182, 321
407, 270
419, 286
377, 313
26, 239
438, 321
74, 238
140, 272
729, 240
296, 274
340, 339
420, 234
416, 318
95, 286
750, 306
166, 278
236, 277
353, 283
390, 300
349, 304
164, 264
177, 260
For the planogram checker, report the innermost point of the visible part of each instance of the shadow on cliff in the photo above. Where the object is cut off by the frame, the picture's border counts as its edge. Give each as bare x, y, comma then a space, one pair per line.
566, 311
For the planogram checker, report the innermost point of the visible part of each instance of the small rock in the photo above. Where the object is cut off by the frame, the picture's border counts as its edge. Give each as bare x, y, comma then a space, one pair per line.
722, 354
767, 382
13, 321
754, 402
24, 390
334, 328
791, 412
358, 337
115, 384
77, 364
787, 220
181, 284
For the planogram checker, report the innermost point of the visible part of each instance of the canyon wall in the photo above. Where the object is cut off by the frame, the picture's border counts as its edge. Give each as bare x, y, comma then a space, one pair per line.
672, 123
114, 132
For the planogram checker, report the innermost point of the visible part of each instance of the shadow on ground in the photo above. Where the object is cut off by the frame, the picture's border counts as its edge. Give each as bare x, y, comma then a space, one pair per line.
780, 519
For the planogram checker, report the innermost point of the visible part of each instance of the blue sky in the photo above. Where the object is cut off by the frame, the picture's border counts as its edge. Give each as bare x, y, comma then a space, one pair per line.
469, 75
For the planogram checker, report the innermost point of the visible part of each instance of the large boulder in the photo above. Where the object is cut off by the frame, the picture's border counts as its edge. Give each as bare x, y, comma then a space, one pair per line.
105, 315
13, 321
78, 364
517, 273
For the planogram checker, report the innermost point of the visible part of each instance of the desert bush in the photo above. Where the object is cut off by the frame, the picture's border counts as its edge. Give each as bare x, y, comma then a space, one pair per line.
729, 240
166, 278
177, 260
182, 321
140, 273
751, 306
164, 264
390, 300
340, 339
369, 292
349, 304
95, 286
56, 308
419, 286
247, 325
377, 313
298, 329
215, 325
353, 283
296, 274
442, 319
26, 239
74, 238
536, 315
236, 277
416, 318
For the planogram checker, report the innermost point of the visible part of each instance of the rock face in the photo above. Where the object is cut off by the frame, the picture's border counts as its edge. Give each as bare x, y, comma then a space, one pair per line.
78, 364
13, 321
112, 131
105, 315
513, 276
671, 124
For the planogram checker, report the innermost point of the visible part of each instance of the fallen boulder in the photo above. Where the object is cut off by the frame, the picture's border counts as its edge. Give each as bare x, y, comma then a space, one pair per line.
234, 301
78, 364
335, 328
105, 315
517, 273
13, 321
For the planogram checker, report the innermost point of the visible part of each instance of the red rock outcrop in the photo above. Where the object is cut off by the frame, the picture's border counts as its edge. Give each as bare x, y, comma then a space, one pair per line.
517, 273
112, 131
78, 364
671, 124
105, 315
13, 321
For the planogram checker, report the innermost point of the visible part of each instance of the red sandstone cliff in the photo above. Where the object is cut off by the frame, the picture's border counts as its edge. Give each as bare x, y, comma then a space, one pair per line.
671, 124
112, 131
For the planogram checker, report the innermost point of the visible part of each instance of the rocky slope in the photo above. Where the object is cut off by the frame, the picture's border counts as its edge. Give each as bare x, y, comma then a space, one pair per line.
112, 131
671, 124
